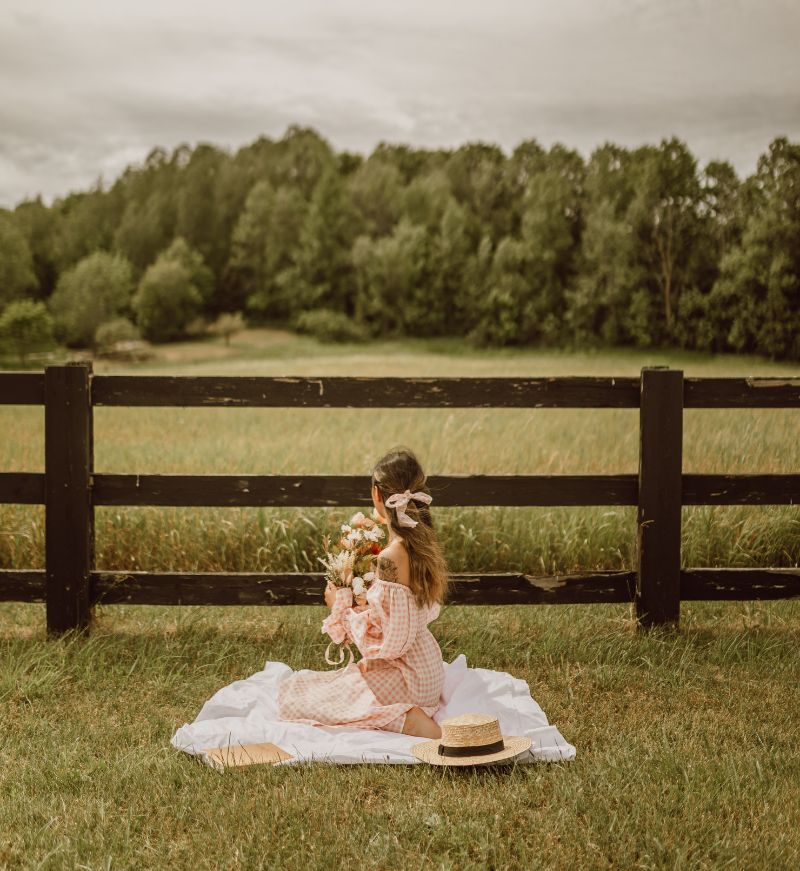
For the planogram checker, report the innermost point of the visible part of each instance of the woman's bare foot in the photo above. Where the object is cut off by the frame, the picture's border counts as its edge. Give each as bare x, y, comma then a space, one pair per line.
420, 724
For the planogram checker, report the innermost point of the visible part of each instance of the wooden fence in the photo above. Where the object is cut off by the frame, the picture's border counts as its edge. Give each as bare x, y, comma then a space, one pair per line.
70, 489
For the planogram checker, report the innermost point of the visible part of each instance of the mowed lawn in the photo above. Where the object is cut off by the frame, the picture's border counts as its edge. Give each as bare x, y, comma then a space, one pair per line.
687, 741
687, 747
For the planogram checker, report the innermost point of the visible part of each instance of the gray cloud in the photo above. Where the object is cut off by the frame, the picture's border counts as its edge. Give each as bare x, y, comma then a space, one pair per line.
87, 88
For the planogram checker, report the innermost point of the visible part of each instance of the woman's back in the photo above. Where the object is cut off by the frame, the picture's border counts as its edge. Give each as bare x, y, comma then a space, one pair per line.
393, 563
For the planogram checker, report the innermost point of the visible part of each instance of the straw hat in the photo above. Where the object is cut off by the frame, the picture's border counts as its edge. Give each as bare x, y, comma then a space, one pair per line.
470, 739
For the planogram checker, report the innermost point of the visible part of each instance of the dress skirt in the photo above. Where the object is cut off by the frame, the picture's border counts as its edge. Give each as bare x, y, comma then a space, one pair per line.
401, 665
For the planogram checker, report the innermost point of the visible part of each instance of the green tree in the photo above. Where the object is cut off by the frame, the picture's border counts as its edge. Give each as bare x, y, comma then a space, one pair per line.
598, 300
376, 191
201, 275
392, 279
85, 222
426, 199
96, 289
508, 310
264, 244
26, 326
324, 270
479, 181
144, 229
17, 276
550, 228
451, 259
166, 301
36, 222
664, 216
755, 303
200, 219
302, 158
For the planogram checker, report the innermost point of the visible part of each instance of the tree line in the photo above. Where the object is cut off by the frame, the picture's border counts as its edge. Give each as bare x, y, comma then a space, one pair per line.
632, 246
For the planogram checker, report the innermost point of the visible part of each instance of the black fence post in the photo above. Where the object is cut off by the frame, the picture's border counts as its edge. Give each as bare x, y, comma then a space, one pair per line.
658, 595
69, 512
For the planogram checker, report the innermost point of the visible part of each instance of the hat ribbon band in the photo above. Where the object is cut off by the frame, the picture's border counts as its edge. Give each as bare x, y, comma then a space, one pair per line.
475, 750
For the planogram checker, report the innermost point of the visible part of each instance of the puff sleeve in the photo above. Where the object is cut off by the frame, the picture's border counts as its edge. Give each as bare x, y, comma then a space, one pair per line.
333, 624
387, 627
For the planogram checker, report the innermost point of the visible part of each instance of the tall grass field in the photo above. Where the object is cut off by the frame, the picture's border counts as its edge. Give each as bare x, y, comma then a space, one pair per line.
687, 741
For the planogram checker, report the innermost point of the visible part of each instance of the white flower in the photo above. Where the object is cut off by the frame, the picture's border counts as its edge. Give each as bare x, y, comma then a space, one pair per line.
358, 586
357, 518
369, 576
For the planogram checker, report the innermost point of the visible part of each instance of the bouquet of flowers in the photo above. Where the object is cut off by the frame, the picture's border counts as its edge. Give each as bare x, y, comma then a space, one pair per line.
348, 562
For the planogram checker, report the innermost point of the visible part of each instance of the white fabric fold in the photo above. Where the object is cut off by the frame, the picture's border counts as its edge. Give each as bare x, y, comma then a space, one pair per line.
245, 712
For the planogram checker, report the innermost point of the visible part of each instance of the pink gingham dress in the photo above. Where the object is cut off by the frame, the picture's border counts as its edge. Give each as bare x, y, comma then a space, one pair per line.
401, 665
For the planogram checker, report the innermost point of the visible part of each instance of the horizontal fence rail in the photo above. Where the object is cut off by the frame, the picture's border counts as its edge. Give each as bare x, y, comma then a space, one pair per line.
499, 588
70, 489
27, 388
27, 488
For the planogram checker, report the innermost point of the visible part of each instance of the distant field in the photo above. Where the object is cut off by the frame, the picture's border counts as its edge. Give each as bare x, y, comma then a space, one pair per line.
337, 441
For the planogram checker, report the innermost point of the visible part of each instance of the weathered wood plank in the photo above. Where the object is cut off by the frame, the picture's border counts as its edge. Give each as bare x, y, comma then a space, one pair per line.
69, 516
659, 511
298, 588
741, 490
21, 488
22, 585
27, 488
753, 392
21, 388
744, 584
353, 490
366, 392
27, 388
697, 584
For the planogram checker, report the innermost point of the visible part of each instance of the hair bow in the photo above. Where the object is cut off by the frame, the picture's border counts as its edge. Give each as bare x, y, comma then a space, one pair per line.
400, 500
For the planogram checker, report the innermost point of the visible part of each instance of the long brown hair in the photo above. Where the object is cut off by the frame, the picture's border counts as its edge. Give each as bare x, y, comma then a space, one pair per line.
395, 472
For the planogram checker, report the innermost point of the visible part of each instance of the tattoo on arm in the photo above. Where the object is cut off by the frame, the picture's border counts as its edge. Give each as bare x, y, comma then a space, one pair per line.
387, 568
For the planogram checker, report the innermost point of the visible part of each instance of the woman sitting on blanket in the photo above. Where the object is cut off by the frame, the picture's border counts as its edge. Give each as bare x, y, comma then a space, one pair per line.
397, 684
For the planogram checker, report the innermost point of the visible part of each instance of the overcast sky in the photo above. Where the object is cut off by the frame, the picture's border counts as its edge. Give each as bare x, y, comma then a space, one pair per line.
88, 87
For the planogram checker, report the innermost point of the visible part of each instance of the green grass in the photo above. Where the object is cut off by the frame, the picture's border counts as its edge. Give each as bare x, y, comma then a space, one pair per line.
687, 747
687, 742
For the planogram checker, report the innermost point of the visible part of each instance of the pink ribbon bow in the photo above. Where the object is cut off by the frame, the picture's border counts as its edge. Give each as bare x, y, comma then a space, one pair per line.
400, 500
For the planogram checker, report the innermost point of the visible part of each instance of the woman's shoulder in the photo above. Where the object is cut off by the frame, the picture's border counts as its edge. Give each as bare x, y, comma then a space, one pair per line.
392, 564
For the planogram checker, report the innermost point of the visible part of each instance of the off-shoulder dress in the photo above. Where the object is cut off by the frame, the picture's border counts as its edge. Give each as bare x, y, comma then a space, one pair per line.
401, 665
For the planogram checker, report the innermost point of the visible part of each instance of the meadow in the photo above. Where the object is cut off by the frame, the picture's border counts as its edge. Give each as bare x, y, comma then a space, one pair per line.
448, 441
687, 740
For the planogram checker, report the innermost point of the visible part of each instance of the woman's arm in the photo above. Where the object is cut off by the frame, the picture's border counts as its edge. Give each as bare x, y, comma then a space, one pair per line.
387, 627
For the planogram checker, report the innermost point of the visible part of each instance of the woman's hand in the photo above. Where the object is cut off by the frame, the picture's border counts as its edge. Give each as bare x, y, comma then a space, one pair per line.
330, 594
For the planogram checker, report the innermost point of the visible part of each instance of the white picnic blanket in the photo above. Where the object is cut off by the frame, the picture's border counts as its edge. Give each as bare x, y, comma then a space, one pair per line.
245, 712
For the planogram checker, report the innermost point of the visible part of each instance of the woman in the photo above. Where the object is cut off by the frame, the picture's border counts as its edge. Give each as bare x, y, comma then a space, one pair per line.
397, 683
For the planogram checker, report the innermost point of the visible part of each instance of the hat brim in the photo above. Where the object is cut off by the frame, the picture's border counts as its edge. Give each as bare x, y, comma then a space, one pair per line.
428, 751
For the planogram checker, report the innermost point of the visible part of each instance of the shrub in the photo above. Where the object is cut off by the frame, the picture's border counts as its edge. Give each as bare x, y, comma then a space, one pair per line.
116, 330
93, 291
167, 301
227, 324
26, 326
328, 325
197, 327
